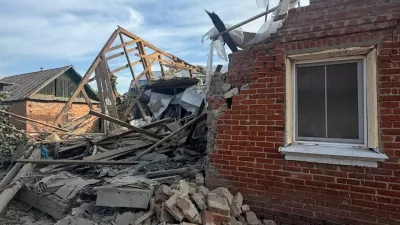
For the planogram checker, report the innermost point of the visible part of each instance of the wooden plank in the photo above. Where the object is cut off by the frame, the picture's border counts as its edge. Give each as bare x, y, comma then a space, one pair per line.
125, 66
75, 162
144, 72
122, 45
26, 171
151, 56
148, 126
168, 137
104, 85
65, 149
132, 105
119, 122
33, 121
145, 62
199, 112
118, 152
127, 56
120, 53
86, 77
87, 99
154, 48
161, 66
141, 111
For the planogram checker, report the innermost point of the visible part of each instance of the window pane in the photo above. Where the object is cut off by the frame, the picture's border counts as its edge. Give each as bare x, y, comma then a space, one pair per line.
311, 101
342, 98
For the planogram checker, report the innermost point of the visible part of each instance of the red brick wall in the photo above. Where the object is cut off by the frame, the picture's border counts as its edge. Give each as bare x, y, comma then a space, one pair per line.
47, 112
18, 107
244, 140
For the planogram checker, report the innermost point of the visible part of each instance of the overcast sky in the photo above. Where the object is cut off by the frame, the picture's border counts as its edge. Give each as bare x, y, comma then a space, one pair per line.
55, 33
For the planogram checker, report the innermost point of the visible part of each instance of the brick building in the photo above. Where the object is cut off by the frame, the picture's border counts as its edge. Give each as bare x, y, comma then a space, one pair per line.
41, 95
314, 135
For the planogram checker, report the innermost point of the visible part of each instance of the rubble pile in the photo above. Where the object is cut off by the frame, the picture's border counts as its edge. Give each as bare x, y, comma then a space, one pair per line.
147, 201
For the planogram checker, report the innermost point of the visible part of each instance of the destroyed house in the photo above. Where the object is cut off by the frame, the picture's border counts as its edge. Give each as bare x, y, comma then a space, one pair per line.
41, 95
313, 135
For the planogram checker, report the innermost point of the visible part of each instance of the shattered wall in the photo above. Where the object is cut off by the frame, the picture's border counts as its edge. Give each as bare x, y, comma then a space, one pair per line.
243, 150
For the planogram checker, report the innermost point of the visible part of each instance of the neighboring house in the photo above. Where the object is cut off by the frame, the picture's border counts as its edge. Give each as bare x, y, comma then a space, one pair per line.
314, 135
41, 95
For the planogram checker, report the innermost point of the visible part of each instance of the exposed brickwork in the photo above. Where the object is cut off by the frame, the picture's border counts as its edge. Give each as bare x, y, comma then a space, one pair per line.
46, 111
244, 155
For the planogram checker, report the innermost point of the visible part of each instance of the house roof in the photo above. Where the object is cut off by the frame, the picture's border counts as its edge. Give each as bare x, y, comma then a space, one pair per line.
29, 83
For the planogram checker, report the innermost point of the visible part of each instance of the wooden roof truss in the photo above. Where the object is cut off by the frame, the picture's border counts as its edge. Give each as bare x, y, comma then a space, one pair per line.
134, 51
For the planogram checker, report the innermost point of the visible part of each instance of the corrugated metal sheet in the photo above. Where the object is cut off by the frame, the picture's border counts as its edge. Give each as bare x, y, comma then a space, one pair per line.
26, 84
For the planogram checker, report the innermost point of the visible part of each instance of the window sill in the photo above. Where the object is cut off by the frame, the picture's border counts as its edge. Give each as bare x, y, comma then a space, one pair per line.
338, 155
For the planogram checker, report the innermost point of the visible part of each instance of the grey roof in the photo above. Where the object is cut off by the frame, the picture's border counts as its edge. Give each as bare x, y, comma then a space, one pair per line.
28, 83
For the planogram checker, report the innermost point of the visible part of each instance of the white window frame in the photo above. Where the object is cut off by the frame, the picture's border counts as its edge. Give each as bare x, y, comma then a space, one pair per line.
363, 127
366, 154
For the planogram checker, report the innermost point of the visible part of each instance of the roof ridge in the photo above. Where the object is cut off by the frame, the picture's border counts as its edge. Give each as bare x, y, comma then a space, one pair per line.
63, 67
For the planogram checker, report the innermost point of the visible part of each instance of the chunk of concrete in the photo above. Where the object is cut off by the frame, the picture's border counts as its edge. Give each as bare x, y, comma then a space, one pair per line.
124, 197
226, 87
225, 193
245, 208
188, 209
163, 215
184, 187
269, 222
199, 179
203, 190
218, 204
199, 199
234, 221
251, 218
125, 218
208, 218
236, 206
231, 93
173, 209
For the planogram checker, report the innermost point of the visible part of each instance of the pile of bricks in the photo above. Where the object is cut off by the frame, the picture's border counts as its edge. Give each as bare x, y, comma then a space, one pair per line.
193, 203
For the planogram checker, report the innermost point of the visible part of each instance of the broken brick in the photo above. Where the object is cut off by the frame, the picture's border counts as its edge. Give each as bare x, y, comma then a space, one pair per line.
188, 209
218, 204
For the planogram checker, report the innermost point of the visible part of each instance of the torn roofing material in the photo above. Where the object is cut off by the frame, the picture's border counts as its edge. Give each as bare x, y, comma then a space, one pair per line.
28, 83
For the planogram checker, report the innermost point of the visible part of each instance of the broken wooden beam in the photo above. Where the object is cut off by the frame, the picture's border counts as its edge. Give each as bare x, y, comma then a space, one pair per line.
119, 122
9, 191
33, 121
111, 154
169, 136
148, 126
75, 162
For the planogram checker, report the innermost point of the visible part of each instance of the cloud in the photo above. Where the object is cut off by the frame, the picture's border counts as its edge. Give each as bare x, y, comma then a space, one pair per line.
54, 33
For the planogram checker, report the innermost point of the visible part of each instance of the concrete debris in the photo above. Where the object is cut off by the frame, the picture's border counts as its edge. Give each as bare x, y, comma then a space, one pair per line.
124, 197
226, 87
225, 193
208, 218
199, 179
188, 209
125, 218
234, 221
173, 209
199, 199
245, 208
203, 190
236, 206
218, 204
231, 93
269, 222
252, 219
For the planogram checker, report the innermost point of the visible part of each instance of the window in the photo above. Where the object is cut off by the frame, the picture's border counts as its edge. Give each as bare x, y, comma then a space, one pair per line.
331, 107
329, 102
